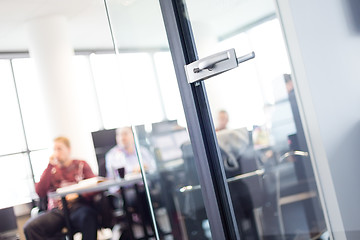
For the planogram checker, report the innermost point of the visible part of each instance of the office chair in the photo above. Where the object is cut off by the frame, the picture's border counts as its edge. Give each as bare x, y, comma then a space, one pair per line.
100, 203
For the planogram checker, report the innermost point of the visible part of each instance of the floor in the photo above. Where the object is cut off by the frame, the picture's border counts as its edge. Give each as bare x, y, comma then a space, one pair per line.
21, 222
107, 234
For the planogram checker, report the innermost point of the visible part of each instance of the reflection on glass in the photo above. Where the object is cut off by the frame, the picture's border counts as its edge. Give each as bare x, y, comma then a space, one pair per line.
262, 143
179, 212
168, 164
11, 137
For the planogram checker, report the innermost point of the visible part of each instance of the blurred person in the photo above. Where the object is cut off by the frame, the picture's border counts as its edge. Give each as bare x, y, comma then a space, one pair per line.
238, 156
62, 171
222, 120
123, 155
289, 83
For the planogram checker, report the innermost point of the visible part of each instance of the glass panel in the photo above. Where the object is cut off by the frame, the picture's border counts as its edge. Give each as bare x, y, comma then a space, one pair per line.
39, 162
168, 89
86, 86
15, 180
259, 130
143, 86
114, 76
179, 211
32, 104
12, 136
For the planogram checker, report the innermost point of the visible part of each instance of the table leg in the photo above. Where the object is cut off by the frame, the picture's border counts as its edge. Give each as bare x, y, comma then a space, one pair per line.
67, 218
142, 207
128, 214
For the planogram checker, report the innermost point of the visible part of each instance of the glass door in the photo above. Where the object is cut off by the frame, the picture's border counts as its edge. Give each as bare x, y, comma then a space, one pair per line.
230, 156
139, 84
263, 150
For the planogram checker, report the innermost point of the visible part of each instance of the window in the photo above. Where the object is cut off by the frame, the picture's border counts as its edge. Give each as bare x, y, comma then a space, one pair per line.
39, 162
168, 87
32, 103
87, 92
253, 82
15, 180
126, 85
12, 136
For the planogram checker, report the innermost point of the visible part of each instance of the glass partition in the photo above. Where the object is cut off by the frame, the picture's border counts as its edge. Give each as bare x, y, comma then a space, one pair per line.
142, 89
259, 130
114, 76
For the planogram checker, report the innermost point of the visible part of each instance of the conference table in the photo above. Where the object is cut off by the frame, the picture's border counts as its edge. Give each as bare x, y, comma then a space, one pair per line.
96, 184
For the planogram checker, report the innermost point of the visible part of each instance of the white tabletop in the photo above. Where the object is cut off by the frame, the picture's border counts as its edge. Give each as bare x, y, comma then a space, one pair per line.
96, 187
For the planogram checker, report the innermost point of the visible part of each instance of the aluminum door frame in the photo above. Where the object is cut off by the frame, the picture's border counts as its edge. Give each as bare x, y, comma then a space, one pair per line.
201, 129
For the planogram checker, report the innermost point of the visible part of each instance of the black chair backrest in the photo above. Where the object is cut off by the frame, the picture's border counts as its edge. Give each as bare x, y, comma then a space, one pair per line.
103, 141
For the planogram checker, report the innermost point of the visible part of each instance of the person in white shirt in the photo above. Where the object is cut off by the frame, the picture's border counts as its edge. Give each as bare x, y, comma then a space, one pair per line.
124, 155
222, 120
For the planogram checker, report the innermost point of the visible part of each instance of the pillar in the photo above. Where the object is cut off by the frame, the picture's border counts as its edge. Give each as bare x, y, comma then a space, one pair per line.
51, 49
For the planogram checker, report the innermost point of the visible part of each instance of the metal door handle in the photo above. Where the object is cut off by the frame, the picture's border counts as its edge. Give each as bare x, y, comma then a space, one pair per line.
259, 172
214, 64
209, 63
245, 57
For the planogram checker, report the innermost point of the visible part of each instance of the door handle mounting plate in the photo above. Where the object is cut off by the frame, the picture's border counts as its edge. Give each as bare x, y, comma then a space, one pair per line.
213, 65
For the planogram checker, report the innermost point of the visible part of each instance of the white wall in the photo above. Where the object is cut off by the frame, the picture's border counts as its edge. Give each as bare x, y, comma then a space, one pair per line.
324, 46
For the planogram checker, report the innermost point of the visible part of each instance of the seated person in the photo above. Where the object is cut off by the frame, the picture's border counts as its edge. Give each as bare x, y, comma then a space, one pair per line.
123, 155
222, 120
61, 171
233, 144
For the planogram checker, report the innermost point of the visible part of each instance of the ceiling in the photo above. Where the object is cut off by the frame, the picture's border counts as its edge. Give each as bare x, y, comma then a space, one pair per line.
136, 23
87, 20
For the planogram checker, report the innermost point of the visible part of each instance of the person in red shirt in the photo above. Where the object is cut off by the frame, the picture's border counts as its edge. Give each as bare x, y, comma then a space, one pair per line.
62, 171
